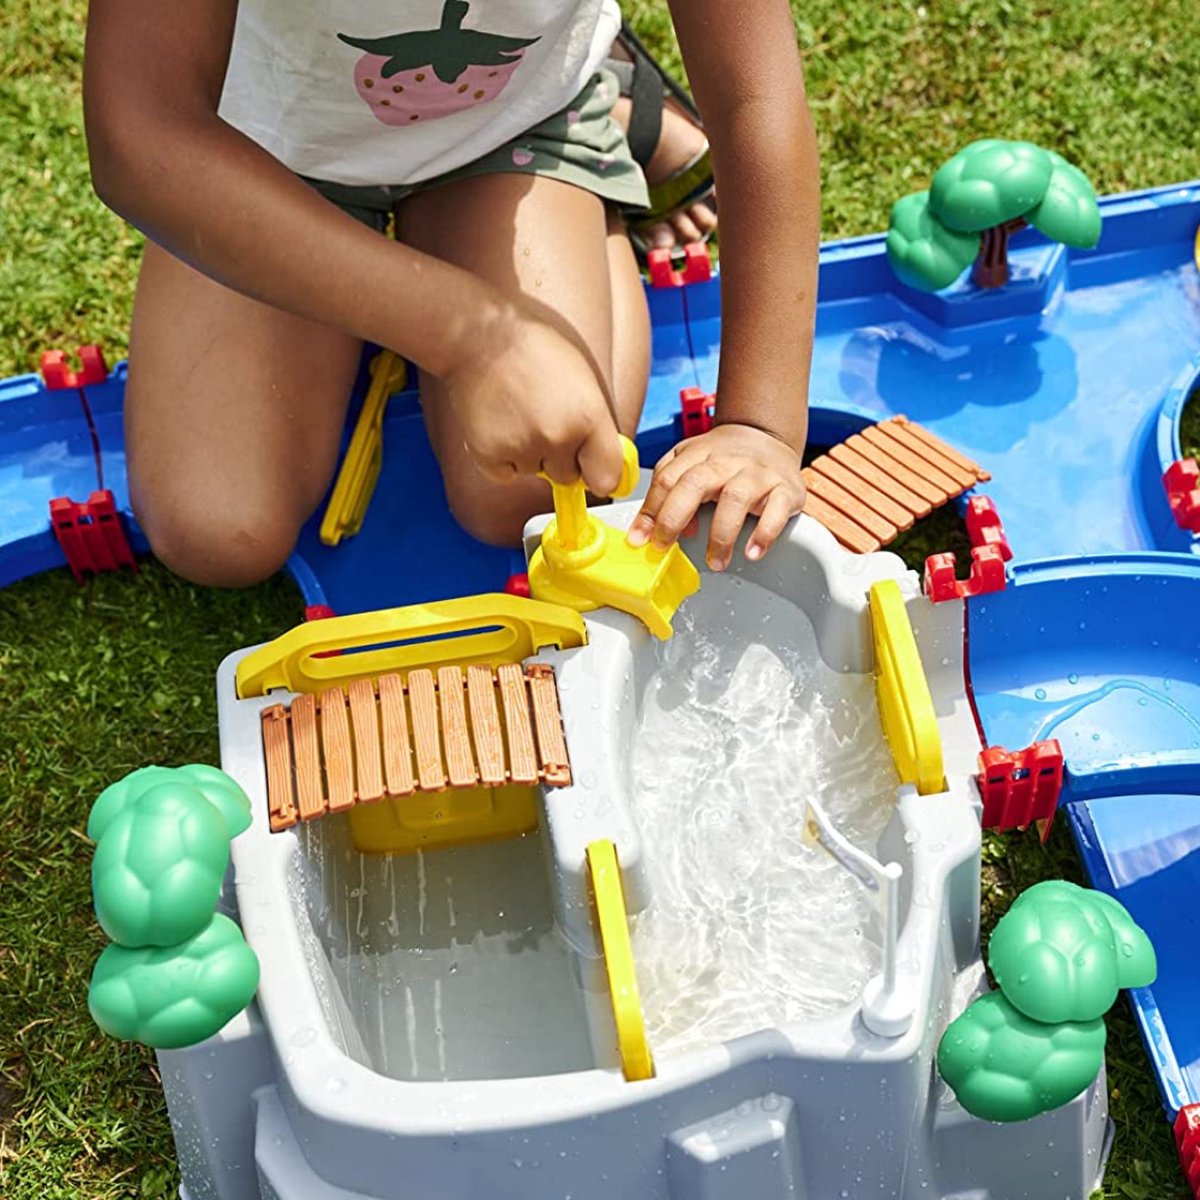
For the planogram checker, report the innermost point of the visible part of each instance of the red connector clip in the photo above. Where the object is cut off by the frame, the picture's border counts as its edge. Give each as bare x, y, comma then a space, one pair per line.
697, 266
1020, 788
987, 575
518, 585
696, 411
1182, 481
1187, 1139
58, 376
984, 526
321, 612
91, 534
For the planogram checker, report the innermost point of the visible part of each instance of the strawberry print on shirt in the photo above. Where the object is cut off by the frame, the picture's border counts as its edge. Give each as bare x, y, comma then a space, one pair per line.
430, 73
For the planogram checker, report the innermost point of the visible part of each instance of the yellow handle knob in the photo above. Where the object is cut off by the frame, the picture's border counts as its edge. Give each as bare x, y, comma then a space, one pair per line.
630, 469
575, 528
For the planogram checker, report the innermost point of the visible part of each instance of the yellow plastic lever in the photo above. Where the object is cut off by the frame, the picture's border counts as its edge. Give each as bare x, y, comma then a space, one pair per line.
585, 564
609, 899
905, 705
488, 630
359, 471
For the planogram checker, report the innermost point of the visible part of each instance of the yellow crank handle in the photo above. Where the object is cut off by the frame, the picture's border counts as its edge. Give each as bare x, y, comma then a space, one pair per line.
630, 471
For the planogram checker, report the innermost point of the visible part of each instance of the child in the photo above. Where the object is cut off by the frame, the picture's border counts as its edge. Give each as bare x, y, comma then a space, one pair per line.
259, 144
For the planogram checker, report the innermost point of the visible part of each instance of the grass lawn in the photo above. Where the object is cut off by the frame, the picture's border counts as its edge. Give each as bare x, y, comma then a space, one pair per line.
120, 674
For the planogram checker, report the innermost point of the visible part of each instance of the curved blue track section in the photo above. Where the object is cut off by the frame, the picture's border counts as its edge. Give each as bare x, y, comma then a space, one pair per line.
1104, 655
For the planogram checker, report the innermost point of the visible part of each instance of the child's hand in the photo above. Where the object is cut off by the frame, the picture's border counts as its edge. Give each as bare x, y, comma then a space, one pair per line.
745, 470
533, 403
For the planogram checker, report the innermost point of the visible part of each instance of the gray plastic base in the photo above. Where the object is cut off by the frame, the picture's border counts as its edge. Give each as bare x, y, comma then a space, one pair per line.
309, 1097
762, 1146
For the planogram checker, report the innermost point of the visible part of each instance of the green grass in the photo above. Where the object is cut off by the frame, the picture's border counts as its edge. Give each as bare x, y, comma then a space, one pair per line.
100, 680
120, 674
1189, 427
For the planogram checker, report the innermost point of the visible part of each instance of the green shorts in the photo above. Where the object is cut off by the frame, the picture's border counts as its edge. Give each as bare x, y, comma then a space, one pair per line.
582, 145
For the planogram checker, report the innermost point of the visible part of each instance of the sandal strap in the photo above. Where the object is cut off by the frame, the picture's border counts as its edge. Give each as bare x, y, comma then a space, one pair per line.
645, 92
637, 49
691, 185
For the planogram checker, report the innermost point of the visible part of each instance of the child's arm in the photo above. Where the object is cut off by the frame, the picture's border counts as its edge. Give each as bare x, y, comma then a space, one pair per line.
745, 70
163, 159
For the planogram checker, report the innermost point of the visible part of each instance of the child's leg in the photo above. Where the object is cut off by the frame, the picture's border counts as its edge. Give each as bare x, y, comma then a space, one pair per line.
555, 245
233, 415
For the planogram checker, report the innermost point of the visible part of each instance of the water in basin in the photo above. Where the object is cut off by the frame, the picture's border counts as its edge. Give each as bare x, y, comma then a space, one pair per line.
445, 964
752, 924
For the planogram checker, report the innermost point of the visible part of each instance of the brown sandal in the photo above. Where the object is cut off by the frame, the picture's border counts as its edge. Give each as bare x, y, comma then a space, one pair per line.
649, 88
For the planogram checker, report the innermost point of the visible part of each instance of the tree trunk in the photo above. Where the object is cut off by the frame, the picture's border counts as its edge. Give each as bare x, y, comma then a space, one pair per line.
991, 267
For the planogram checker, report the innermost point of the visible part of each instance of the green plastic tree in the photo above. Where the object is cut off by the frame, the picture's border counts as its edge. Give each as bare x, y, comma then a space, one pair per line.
177, 970
1002, 1066
1058, 956
977, 200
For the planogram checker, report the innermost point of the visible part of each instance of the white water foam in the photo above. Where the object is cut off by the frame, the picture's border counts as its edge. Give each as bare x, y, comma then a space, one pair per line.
752, 923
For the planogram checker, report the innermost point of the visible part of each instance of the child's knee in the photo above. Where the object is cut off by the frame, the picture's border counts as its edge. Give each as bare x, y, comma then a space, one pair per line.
497, 516
234, 546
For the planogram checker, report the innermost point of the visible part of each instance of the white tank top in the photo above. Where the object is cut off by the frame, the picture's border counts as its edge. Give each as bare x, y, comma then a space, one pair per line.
399, 91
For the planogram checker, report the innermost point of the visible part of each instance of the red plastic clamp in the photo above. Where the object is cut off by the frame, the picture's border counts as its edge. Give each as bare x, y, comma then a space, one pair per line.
1182, 481
518, 585
91, 534
321, 612
984, 526
696, 411
1022, 787
697, 266
58, 376
1187, 1139
987, 575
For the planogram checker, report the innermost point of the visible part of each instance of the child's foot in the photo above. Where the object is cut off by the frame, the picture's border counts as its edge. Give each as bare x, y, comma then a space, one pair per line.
681, 143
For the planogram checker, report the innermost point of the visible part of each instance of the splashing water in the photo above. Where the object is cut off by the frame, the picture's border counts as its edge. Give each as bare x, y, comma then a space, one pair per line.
752, 924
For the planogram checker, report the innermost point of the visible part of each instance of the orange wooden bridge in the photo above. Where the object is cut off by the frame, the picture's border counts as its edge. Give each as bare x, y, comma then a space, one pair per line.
422, 732
873, 486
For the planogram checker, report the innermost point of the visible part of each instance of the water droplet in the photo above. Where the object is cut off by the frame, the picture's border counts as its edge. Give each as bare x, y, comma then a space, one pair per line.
1072, 678
1040, 693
